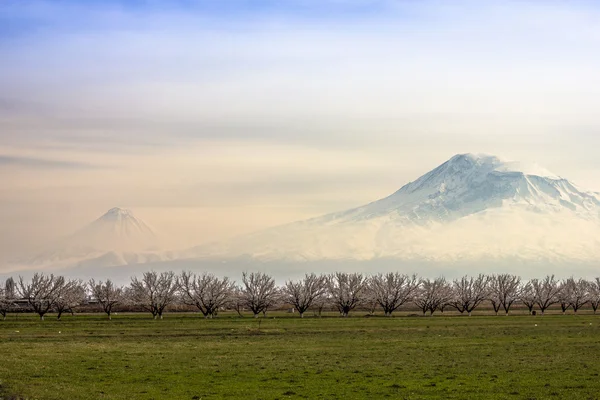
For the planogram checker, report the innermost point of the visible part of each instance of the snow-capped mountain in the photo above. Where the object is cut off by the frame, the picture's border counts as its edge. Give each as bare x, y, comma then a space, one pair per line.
472, 207
118, 229
472, 210
116, 238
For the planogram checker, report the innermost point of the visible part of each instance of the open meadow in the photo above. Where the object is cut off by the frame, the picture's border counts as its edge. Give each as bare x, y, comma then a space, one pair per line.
284, 357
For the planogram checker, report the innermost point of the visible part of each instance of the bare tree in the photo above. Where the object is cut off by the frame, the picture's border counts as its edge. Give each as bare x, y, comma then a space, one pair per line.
504, 291
392, 290
206, 292
433, 294
470, 292
370, 303
346, 290
71, 294
236, 301
324, 300
258, 292
8, 295
302, 294
10, 288
578, 292
41, 293
154, 292
594, 290
107, 295
528, 297
546, 292
563, 297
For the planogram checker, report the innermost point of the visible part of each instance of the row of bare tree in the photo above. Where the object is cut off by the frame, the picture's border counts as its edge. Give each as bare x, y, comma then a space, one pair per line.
154, 292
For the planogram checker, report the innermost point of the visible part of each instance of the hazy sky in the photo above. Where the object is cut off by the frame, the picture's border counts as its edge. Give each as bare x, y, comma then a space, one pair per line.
218, 117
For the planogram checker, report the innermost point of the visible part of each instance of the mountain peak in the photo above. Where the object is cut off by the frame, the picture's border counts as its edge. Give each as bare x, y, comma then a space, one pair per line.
469, 183
117, 212
472, 207
116, 238
118, 228
489, 163
474, 157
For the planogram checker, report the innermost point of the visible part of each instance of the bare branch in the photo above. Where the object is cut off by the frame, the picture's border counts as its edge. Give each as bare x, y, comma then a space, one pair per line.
574, 294
206, 292
594, 293
107, 295
392, 290
546, 292
302, 294
8, 295
154, 292
258, 292
346, 290
433, 294
504, 291
70, 295
470, 292
42, 292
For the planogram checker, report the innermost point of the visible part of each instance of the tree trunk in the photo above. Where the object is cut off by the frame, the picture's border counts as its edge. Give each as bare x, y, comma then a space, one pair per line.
59, 315
42, 317
302, 315
255, 315
469, 313
109, 317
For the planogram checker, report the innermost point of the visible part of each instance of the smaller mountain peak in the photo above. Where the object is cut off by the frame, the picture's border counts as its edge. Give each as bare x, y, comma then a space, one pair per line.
117, 212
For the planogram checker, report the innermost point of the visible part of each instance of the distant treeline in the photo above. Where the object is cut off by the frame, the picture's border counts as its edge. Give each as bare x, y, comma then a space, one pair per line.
156, 292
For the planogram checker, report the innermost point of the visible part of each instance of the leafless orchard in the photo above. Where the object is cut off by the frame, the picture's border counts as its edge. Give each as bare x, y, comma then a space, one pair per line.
257, 293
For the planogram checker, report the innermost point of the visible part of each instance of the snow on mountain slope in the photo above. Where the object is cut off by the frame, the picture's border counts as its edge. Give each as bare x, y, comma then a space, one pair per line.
116, 238
471, 207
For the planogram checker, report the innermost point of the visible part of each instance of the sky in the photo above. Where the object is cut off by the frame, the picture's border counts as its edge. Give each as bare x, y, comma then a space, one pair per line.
211, 119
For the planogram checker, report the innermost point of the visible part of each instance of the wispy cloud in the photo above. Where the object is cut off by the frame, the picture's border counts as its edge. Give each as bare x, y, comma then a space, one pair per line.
27, 162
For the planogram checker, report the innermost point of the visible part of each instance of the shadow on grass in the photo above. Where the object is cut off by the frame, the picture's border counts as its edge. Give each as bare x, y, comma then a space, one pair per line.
6, 395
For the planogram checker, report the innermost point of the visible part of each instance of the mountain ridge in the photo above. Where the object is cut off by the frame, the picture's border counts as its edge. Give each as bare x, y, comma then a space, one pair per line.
472, 208
467, 192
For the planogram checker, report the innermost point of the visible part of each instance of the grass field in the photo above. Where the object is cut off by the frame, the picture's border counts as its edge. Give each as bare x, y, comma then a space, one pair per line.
187, 357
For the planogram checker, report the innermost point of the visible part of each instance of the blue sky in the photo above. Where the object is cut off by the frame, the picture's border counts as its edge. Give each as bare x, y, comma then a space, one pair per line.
193, 112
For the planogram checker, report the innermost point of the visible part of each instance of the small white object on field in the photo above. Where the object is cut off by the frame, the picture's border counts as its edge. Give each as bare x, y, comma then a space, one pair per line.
535, 324
18, 331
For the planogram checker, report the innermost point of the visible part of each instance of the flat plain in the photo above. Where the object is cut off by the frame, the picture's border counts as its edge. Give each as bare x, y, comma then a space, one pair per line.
284, 357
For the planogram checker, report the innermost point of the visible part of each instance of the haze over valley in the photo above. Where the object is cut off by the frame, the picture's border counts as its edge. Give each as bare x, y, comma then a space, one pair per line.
472, 210
299, 135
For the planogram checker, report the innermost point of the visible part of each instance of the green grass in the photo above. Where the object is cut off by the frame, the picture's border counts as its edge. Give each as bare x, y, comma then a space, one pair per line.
186, 357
